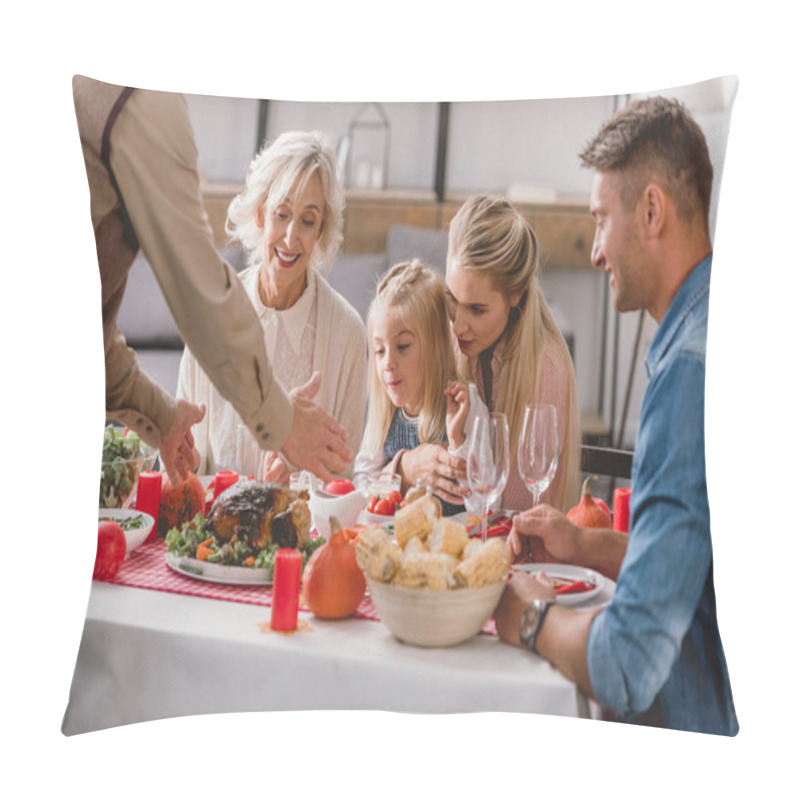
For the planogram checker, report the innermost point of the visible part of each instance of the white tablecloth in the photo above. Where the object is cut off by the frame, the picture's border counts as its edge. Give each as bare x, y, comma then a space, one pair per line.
148, 655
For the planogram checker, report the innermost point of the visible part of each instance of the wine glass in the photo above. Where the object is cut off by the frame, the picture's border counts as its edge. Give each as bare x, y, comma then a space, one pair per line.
487, 460
537, 456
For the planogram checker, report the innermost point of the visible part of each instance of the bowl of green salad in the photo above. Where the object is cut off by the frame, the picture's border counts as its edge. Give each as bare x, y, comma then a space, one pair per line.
125, 455
136, 525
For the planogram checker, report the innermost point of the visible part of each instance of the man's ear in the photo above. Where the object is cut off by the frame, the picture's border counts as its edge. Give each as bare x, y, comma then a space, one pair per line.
654, 207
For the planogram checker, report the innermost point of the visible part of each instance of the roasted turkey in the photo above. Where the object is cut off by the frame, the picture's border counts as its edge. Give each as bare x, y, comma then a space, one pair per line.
261, 514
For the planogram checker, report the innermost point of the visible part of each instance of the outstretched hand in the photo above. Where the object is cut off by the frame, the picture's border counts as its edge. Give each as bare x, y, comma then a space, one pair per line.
177, 451
317, 442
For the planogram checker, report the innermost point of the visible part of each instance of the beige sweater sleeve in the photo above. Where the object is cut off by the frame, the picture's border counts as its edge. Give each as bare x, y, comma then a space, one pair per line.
154, 158
132, 398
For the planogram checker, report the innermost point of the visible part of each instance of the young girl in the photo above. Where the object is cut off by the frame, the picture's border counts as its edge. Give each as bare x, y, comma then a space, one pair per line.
414, 394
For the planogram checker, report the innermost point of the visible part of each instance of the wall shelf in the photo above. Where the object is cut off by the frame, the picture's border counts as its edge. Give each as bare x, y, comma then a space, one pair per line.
564, 226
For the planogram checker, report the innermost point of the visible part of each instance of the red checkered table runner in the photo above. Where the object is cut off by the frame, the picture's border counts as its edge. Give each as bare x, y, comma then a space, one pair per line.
146, 568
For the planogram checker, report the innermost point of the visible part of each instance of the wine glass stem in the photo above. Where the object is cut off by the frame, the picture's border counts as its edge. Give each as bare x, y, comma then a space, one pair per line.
485, 520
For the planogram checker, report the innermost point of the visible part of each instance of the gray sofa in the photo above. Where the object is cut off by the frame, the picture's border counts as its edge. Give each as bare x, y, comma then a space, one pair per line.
147, 323
150, 330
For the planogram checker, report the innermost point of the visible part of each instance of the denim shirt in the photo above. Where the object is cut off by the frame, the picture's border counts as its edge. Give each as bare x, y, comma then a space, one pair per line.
655, 654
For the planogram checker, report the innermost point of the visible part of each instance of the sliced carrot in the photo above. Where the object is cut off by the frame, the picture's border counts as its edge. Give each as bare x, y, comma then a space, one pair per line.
249, 561
203, 552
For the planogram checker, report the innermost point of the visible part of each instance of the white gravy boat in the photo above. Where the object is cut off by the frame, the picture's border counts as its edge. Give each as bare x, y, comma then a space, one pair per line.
345, 507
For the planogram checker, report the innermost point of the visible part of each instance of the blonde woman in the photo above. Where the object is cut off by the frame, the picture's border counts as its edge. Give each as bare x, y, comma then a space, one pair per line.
508, 344
414, 394
288, 219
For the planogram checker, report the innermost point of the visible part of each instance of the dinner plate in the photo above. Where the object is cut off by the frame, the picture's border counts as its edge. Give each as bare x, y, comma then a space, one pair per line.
134, 537
219, 573
570, 573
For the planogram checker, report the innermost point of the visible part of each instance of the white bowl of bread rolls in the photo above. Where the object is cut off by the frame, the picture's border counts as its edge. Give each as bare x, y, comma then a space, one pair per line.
431, 585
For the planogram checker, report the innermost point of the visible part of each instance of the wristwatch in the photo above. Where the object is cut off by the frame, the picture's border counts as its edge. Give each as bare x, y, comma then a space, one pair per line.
531, 622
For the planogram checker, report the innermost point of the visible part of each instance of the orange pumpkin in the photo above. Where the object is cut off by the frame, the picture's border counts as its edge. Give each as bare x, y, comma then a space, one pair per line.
589, 513
333, 583
179, 503
352, 534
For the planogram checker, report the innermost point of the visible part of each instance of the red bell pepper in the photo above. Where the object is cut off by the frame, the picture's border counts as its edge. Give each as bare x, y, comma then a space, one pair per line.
574, 587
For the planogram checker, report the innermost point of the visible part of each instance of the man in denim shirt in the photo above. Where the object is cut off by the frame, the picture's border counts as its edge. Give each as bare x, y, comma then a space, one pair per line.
654, 655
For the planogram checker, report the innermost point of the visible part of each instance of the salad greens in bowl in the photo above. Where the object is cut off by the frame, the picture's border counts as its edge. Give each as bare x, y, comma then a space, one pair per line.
125, 455
136, 525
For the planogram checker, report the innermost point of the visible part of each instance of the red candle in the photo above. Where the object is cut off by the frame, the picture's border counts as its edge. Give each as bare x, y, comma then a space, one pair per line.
286, 589
622, 510
223, 479
148, 498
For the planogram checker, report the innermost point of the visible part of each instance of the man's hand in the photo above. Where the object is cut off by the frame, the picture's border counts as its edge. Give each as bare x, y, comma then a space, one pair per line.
520, 590
317, 442
177, 451
437, 468
544, 535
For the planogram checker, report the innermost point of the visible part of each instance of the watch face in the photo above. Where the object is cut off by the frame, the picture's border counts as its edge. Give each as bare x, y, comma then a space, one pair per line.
528, 624
531, 622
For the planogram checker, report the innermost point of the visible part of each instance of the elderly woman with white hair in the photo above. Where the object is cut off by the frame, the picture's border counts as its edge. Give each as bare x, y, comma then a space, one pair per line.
288, 220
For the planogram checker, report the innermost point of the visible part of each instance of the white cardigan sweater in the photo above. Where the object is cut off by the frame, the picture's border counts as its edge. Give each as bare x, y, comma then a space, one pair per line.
339, 355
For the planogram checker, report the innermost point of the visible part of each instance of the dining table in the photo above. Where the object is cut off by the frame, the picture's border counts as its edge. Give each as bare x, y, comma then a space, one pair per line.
157, 644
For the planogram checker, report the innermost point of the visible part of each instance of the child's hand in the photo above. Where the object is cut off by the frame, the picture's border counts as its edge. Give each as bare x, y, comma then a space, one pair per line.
457, 393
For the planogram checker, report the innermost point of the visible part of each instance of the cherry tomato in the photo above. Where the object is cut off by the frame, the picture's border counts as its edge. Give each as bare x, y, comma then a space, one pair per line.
373, 501
111, 550
384, 507
340, 486
395, 497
